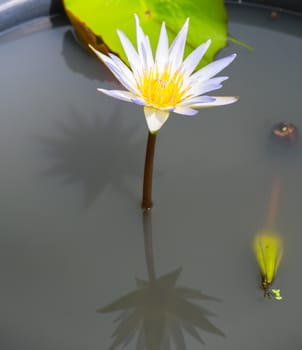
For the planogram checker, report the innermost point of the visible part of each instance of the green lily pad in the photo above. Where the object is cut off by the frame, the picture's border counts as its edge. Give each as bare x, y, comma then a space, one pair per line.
96, 22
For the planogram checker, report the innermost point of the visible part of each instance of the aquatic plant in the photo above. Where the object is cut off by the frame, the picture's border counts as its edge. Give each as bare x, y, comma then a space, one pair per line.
268, 245
164, 83
95, 22
268, 248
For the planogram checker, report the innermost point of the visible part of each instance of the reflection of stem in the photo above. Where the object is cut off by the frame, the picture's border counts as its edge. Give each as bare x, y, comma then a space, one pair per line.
148, 172
147, 224
274, 202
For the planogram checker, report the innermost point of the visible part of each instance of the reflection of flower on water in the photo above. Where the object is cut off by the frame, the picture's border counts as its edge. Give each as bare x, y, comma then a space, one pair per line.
95, 153
158, 312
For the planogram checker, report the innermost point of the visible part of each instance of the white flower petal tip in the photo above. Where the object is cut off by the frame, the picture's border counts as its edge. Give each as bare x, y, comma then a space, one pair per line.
91, 47
218, 101
136, 18
98, 53
224, 100
155, 118
185, 111
232, 57
119, 94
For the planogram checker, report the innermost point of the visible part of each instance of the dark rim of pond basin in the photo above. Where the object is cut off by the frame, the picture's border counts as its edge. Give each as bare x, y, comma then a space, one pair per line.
15, 12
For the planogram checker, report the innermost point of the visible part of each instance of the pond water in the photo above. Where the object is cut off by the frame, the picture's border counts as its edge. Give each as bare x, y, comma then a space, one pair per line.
73, 239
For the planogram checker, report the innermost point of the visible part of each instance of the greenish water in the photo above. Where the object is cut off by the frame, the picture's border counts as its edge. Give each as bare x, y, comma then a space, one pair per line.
72, 238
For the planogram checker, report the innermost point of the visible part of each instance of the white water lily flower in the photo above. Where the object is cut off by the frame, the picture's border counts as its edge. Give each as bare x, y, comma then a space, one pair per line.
165, 83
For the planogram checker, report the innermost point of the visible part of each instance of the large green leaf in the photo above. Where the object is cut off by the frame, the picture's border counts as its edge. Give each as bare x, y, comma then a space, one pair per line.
96, 21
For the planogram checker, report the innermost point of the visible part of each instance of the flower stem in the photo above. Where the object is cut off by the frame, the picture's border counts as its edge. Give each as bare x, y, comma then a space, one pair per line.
148, 172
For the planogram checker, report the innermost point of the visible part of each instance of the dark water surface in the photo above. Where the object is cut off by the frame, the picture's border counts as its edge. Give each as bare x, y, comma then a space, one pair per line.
72, 237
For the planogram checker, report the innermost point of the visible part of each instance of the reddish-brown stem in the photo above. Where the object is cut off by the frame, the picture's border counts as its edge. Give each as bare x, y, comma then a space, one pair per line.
148, 172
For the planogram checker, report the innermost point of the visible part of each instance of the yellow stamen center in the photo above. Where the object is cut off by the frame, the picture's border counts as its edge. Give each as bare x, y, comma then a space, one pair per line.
162, 90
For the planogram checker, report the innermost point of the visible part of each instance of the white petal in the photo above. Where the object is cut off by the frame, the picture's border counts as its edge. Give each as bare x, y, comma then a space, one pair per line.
131, 53
111, 65
138, 101
100, 55
150, 60
194, 58
219, 101
211, 69
196, 100
217, 80
155, 118
140, 38
125, 73
119, 70
143, 45
176, 51
120, 94
185, 111
202, 88
161, 56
